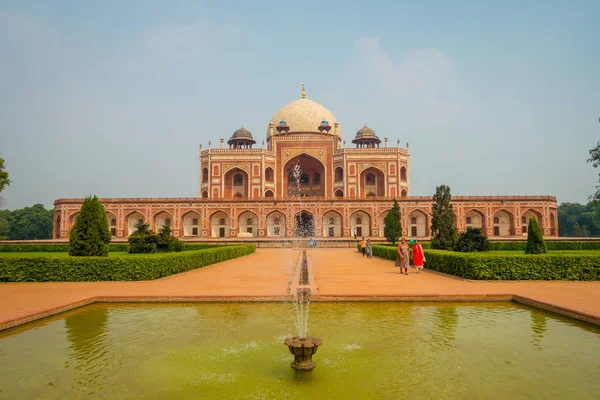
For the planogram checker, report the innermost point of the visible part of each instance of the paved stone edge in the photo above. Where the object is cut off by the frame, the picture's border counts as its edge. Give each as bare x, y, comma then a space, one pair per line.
568, 312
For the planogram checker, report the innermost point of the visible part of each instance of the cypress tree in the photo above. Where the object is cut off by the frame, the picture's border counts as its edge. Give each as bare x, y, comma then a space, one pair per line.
442, 220
535, 239
393, 225
90, 235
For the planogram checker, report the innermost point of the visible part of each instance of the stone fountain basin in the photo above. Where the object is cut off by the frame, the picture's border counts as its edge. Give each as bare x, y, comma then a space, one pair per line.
303, 350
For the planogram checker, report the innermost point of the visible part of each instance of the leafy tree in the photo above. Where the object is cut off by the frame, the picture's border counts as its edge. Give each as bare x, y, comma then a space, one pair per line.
4, 181
595, 160
165, 242
29, 223
90, 235
393, 225
442, 220
143, 240
473, 239
535, 240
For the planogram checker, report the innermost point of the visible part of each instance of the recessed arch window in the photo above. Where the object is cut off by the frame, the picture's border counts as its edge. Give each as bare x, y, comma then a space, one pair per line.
222, 221
238, 180
370, 179
304, 179
403, 173
468, 220
204, 174
317, 178
358, 220
413, 220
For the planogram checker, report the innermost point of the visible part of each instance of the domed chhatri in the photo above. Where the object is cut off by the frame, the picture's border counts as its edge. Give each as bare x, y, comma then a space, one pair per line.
242, 138
366, 137
304, 116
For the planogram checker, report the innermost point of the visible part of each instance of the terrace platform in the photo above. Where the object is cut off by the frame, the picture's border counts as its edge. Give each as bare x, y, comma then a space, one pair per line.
338, 275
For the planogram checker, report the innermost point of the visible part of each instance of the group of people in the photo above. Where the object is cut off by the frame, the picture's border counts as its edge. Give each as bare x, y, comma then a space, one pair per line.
404, 254
366, 247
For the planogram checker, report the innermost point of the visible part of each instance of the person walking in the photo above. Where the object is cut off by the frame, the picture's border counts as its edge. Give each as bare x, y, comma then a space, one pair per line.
403, 252
369, 249
418, 256
354, 233
363, 246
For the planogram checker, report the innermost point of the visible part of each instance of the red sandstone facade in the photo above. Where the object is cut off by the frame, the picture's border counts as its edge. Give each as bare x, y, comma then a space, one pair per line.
305, 181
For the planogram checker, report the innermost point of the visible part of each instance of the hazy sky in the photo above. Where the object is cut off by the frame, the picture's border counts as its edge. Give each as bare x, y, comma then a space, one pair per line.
113, 97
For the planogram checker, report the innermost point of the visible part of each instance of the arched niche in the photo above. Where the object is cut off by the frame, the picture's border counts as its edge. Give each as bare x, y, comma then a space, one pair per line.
372, 182
248, 224
332, 224
301, 174
219, 224
191, 224
276, 224
361, 221
235, 183
503, 223
417, 224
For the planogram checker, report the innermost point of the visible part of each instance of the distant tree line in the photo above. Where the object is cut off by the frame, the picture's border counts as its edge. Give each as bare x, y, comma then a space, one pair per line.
27, 223
578, 220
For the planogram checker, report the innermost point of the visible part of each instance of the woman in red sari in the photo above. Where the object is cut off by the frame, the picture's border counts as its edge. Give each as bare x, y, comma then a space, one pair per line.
418, 256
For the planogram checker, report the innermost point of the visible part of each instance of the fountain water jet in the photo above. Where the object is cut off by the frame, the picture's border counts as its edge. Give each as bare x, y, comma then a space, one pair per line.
303, 347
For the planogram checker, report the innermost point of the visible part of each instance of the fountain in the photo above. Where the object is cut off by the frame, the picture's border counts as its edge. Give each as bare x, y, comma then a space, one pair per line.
303, 347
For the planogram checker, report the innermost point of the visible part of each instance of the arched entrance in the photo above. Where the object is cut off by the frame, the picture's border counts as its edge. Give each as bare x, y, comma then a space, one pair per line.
248, 225
417, 224
276, 224
304, 224
372, 182
361, 222
503, 225
219, 224
191, 224
525, 220
475, 219
132, 220
304, 176
332, 224
235, 183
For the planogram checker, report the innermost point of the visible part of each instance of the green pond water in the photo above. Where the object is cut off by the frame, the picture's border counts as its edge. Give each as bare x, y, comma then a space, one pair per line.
234, 350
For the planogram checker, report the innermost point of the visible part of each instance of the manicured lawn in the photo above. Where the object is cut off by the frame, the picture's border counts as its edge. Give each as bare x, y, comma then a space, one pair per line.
111, 254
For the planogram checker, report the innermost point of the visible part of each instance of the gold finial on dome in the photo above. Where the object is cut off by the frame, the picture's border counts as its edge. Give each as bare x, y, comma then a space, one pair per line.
303, 92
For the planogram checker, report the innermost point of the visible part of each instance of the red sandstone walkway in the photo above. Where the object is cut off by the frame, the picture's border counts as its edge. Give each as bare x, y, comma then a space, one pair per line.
265, 275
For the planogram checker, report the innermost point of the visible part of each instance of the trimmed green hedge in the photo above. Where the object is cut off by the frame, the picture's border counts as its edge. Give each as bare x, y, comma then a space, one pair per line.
64, 247
591, 245
490, 266
82, 269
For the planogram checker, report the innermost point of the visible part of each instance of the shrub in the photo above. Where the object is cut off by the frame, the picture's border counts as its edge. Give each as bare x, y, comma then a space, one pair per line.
165, 242
442, 220
490, 266
90, 235
393, 227
81, 269
535, 240
471, 240
143, 240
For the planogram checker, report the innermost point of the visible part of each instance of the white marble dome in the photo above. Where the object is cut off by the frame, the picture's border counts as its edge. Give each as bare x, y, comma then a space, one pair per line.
304, 115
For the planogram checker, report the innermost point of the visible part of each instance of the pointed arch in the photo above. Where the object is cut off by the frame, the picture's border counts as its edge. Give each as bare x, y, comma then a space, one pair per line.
162, 218
219, 224
269, 193
475, 218
530, 213
191, 222
332, 224
248, 224
236, 183
361, 221
339, 193
372, 182
276, 224
112, 223
133, 218
503, 223
309, 166
418, 224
